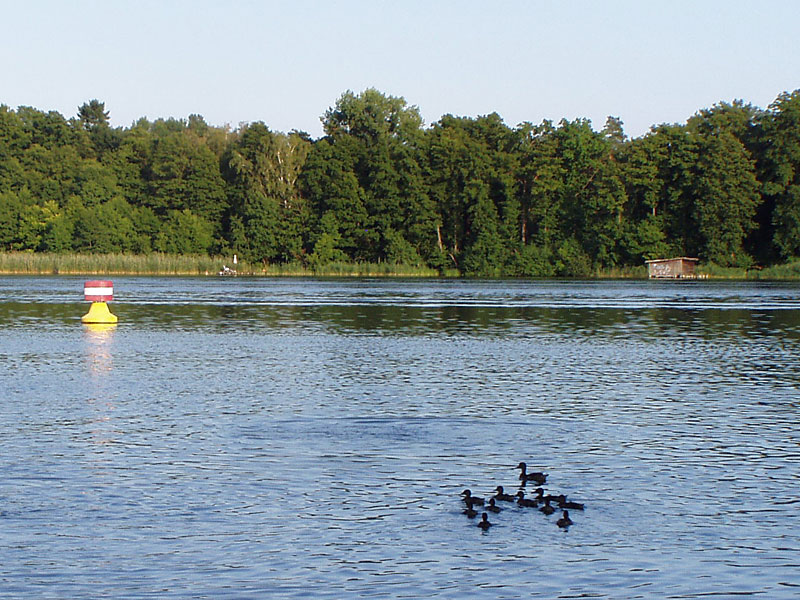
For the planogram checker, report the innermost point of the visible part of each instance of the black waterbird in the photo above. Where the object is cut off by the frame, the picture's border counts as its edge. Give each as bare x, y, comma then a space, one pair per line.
564, 503
471, 500
547, 509
564, 521
501, 495
540, 497
537, 477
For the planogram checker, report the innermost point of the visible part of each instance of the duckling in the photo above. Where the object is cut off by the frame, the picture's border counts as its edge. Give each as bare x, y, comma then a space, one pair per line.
536, 477
501, 495
470, 499
547, 509
564, 521
493, 507
523, 501
470, 512
484, 524
540, 497
564, 503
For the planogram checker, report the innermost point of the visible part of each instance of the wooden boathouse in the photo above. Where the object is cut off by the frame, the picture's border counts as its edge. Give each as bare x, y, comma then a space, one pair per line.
671, 268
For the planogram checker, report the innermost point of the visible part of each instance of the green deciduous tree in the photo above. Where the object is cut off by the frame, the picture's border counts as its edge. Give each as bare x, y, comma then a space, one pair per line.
10, 211
725, 198
541, 177
366, 171
105, 228
262, 168
780, 171
673, 151
643, 235
471, 161
485, 254
184, 232
592, 196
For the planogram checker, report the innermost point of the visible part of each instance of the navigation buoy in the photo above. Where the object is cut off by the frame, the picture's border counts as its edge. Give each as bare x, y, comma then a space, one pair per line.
98, 293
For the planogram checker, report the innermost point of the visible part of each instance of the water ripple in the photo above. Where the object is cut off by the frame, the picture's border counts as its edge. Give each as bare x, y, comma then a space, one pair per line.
272, 438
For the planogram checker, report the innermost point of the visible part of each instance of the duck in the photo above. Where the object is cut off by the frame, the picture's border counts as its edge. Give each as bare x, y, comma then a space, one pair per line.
484, 523
523, 501
501, 495
493, 507
536, 477
547, 509
564, 521
564, 503
540, 497
470, 499
470, 512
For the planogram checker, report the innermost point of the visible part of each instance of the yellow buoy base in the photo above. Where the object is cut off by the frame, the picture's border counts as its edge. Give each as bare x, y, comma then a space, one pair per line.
99, 313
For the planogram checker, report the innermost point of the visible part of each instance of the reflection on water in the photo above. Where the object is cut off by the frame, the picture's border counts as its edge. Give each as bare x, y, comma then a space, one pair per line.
100, 391
99, 339
296, 438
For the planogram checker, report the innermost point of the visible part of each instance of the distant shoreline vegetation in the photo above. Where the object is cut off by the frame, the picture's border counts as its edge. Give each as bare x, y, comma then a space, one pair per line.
158, 264
382, 194
40, 263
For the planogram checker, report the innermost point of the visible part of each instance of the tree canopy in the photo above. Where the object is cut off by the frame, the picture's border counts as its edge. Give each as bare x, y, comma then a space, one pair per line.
466, 193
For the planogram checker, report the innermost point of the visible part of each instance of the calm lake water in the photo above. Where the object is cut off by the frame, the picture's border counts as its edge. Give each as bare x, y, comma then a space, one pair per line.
298, 438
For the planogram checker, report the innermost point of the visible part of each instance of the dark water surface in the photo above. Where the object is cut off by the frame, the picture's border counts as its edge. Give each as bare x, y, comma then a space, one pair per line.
251, 438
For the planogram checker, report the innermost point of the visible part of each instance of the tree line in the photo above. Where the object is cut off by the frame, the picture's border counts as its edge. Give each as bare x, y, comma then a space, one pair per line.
464, 193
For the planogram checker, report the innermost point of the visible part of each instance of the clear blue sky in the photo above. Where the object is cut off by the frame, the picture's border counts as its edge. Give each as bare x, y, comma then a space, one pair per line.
285, 63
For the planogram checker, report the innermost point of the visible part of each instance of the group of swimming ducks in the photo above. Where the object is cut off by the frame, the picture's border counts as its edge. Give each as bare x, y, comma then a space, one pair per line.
546, 501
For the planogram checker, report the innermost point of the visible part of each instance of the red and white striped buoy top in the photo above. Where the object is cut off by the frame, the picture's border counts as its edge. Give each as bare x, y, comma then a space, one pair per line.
98, 291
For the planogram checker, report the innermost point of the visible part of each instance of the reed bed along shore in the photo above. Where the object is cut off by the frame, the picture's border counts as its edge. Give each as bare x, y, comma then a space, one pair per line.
36, 263
784, 272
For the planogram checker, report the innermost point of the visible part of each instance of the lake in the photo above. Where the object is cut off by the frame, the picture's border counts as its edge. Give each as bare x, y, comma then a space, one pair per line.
301, 438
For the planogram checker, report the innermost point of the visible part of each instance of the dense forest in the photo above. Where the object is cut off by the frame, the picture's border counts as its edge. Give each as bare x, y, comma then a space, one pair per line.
471, 194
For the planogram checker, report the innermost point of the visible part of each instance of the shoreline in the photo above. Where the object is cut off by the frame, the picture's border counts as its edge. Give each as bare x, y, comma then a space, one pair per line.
167, 265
